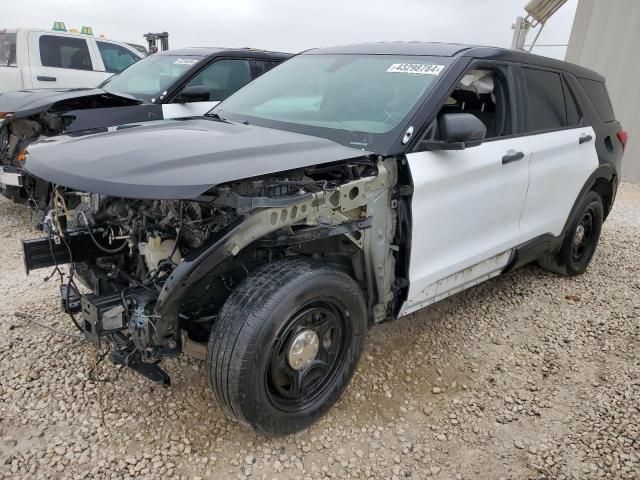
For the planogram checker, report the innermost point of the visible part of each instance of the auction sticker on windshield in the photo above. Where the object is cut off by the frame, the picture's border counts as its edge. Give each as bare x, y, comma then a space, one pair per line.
416, 68
186, 61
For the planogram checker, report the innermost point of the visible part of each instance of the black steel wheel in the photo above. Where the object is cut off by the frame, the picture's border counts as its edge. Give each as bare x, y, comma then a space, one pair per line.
308, 351
581, 238
286, 344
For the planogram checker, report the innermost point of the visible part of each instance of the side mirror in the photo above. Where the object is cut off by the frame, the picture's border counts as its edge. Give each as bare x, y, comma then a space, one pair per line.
458, 131
194, 93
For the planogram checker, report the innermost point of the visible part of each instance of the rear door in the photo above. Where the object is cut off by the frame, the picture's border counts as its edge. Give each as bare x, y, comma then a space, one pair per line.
466, 204
563, 151
221, 78
62, 61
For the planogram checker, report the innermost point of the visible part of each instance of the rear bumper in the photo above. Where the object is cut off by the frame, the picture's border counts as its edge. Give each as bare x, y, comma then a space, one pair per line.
10, 177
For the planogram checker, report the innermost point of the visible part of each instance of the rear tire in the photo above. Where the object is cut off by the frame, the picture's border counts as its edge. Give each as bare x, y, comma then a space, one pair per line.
286, 344
581, 239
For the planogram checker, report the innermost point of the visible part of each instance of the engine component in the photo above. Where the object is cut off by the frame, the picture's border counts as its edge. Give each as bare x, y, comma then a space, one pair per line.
102, 316
159, 267
156, 250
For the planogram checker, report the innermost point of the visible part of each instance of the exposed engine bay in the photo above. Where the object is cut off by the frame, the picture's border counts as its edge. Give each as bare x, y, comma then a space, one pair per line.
158, 271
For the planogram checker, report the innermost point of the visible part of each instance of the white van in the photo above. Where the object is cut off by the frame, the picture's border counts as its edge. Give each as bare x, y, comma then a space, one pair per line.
38, 58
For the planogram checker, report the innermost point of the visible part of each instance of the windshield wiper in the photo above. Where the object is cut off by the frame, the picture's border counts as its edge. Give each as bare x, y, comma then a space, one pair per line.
216, 117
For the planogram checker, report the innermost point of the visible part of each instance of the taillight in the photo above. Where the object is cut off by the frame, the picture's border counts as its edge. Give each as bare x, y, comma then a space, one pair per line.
623, 136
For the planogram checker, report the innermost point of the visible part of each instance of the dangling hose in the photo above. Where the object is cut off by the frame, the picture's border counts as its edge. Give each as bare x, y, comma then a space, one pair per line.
111, 251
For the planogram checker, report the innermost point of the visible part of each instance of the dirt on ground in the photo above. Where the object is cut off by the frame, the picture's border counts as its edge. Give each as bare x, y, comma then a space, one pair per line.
527, 376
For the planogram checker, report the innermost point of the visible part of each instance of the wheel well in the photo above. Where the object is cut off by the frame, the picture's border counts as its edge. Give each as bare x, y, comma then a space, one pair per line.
604, 188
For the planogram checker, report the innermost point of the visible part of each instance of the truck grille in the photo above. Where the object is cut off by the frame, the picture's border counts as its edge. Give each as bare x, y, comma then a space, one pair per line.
4, 143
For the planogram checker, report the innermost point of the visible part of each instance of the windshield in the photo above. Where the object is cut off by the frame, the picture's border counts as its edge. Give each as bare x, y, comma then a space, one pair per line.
8, 50
358, 100
148, 78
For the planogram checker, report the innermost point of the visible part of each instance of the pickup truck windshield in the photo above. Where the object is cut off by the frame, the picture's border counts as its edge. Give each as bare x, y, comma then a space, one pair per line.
362, 101
149, 77
8, 50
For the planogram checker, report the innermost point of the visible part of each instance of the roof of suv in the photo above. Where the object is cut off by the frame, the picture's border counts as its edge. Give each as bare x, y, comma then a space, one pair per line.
457, 50
210, 51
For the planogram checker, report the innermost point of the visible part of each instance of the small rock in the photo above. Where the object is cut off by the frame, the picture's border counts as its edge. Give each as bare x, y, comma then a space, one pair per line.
12, 442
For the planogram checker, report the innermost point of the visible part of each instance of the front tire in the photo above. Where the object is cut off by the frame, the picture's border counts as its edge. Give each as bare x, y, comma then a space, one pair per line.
286, 344
581, 239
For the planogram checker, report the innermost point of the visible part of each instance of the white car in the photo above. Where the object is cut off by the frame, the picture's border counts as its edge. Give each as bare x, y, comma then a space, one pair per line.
39, 58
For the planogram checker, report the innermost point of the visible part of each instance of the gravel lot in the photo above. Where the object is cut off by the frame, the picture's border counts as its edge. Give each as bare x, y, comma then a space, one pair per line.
528, 376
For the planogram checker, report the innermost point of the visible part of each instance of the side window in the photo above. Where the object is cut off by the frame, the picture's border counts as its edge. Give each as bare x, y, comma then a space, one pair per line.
598, 95
262, 66
573, 114
64, 52
546, 99
115, 57
483, 93
7, 49
222, 78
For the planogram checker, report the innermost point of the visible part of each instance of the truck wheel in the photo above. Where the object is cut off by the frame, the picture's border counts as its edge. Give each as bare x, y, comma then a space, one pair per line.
580, 241
285, 345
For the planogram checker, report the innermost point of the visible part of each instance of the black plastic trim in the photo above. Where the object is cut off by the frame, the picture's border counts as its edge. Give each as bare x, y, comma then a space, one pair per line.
44, 252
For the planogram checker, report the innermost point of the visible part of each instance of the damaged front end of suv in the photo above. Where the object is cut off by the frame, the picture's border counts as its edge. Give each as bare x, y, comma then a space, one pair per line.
160, 270
264, 237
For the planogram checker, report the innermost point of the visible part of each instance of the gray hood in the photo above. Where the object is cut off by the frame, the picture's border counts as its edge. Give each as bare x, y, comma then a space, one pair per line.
23, 103
175, 159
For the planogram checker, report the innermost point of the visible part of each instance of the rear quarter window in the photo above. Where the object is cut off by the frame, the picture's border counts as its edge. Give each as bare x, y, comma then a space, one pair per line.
599, 97
8, 50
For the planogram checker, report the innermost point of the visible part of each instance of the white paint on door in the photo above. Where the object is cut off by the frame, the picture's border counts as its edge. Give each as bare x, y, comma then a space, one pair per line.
466, 210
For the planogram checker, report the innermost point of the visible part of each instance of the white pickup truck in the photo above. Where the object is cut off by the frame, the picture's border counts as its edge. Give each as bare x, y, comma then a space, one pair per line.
39, 58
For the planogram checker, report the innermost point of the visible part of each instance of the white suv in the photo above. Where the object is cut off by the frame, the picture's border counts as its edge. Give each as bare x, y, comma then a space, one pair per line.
345, 187
36, 58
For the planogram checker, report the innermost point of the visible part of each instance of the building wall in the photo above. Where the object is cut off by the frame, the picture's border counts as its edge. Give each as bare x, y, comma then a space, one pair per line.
606, 38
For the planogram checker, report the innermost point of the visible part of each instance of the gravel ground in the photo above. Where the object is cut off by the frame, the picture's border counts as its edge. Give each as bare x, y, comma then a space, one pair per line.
528, 376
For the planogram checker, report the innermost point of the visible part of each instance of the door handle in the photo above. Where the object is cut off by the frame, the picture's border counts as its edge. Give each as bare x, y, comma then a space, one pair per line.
585, 138
45, 79
512, 156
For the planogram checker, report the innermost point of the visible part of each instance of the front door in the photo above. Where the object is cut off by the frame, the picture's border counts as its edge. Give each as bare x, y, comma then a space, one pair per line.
467, 204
